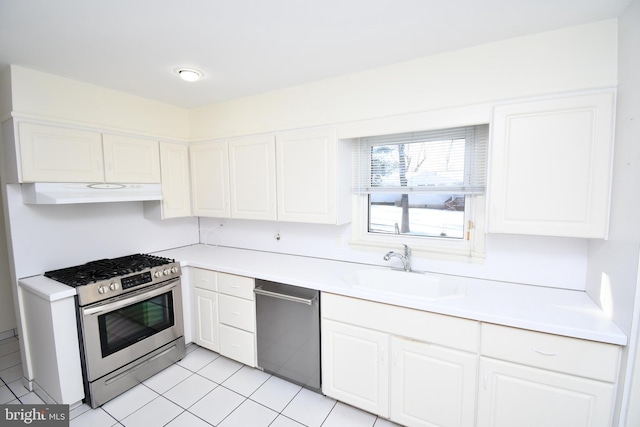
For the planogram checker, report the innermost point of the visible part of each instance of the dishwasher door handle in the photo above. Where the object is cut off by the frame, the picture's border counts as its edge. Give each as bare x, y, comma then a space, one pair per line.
260, 291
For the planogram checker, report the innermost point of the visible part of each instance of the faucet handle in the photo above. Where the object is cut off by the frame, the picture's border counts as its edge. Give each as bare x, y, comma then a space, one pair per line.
407, 250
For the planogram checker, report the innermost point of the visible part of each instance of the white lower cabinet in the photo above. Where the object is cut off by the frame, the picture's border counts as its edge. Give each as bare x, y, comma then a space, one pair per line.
206, 314
516, 395
431, 385
413, 367
532, 379
355, 367
224, 314
237, 318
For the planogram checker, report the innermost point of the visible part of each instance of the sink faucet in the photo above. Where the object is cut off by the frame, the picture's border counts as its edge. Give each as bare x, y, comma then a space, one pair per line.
406, 258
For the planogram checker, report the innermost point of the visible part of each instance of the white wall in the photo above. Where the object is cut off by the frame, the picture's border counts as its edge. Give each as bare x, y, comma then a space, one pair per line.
612, 274
555, 262
47, 237
571, 59
576, 58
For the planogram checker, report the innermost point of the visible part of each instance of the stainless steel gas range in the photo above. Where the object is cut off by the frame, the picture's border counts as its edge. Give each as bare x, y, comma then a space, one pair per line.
130, 322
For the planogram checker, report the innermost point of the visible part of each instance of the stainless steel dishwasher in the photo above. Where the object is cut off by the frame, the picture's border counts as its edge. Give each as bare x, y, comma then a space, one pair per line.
288, 332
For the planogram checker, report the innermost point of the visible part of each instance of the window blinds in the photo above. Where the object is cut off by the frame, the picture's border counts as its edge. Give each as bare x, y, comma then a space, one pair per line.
438, 161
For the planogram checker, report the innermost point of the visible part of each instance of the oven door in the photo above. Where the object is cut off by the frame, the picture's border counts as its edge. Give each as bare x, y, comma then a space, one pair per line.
120, 330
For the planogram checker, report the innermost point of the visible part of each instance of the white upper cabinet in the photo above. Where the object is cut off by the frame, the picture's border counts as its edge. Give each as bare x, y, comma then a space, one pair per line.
314, 176
60, 154
210, 179
551, 166
129, 159
174, 161
56, 154
252, 177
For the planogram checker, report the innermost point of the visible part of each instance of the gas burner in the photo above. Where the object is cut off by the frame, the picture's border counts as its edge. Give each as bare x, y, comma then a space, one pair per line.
96, 271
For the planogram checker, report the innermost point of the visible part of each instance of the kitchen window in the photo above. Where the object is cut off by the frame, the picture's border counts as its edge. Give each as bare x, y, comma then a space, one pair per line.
424, 189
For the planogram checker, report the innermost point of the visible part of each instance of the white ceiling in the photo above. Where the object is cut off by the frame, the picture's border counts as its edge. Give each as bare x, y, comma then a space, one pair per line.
246, 47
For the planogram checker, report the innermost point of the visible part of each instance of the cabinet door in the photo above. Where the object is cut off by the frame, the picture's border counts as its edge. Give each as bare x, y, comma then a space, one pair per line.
432, 385
306, 169
206, 312
174, 167
355, 366
53, 154
131, 160
551, 167
516, 395
252, 177
210, 179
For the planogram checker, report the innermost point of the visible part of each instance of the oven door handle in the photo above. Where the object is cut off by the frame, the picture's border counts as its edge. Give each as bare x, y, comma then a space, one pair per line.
131, 300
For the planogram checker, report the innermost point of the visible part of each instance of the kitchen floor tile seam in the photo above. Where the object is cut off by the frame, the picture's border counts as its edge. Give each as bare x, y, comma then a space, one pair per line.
4, 383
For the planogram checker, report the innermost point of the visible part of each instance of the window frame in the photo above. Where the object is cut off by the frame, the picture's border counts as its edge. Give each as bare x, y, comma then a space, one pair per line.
471, 248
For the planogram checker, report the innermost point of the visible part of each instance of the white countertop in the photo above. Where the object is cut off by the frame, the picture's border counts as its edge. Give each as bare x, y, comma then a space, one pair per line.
556, 311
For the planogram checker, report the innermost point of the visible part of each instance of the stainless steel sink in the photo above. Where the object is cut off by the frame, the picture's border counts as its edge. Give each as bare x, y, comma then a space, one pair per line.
424, 286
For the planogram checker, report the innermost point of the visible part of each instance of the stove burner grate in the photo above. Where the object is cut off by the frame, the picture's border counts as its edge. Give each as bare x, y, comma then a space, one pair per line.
103, 269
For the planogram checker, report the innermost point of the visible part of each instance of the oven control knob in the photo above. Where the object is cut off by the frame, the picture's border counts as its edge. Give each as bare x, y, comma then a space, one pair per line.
174, 270
114, 286
157, 273
103, 290
166, 272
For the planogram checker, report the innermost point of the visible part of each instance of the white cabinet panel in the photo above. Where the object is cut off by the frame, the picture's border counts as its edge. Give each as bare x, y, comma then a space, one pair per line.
128, 159
355, 366
206, 315
514, 395
313, 171
56, 154
210, 179
432, 385
238, 345
550, 166
252, 169
237, 312
176, 193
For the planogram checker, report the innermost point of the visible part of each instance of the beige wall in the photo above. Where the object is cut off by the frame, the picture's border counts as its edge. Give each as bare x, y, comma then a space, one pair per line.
571, 59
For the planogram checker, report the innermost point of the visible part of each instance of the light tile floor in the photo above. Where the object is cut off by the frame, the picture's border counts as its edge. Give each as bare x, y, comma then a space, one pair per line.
202, 390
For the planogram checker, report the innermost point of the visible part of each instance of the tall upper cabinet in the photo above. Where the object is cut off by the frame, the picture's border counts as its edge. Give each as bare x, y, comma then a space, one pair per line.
313, 170
551, 166
176, 193
210, 179
252, 177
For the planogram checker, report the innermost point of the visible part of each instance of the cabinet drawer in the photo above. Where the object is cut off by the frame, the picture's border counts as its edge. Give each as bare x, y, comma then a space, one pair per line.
238, 286
205, 279
448, 331
574, 356
237, 312
237, 344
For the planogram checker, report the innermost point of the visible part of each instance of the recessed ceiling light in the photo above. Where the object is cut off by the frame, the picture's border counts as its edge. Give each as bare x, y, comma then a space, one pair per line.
189, 74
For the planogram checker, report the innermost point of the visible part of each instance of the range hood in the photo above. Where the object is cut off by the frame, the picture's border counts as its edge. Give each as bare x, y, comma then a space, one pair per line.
45, 193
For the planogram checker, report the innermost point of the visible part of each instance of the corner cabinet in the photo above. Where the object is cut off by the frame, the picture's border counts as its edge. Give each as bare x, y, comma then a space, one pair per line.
176, 189
551, 166
314, 176
413, 367
531, 379
59, 154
